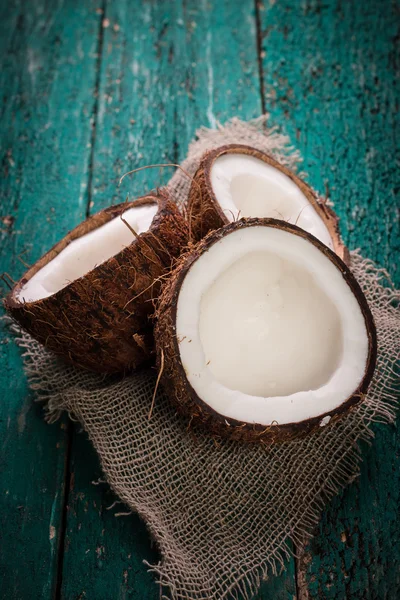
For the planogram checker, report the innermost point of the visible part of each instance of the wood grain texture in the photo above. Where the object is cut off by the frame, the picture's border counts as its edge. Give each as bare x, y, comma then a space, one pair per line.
329, 78
104, 553
355, 553
167, 69
45, 131
91, 90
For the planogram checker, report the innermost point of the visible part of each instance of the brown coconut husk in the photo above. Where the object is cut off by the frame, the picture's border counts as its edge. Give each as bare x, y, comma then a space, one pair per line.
205, 213
173, 376
101, 320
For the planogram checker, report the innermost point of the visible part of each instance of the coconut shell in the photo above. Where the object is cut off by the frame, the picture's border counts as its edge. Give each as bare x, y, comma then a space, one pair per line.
101, 321
205, 213
173, 376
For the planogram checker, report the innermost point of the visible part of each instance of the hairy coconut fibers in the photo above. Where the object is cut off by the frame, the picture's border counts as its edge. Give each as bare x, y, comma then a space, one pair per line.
222, 514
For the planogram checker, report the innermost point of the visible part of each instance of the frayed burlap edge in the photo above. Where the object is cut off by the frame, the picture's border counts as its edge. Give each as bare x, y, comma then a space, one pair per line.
222, 514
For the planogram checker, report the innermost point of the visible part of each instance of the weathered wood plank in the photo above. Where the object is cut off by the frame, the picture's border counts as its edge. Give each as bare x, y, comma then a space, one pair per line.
103, 553
47, 77
167, 68
330, 81
356, 553
345, 146
329, 75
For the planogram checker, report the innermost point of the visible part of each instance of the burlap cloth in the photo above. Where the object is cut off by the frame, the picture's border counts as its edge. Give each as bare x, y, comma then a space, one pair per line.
222, 514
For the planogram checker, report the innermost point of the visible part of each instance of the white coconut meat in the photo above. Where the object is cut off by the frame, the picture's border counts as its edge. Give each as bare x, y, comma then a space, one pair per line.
85, 253
245, 186
268, 329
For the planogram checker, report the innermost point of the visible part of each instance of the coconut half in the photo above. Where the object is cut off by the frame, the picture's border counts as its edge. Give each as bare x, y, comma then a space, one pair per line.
90, 297
263, 332
237, 181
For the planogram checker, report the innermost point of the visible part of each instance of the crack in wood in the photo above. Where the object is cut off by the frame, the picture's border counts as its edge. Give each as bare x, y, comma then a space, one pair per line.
95, 110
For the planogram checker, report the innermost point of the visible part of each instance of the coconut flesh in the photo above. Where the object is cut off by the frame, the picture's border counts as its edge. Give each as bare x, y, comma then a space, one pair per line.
269, 331
245, 186
86, 252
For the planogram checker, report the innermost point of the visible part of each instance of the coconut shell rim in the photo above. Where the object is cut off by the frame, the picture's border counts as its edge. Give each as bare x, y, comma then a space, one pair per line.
110, 212
285, 430
328, 216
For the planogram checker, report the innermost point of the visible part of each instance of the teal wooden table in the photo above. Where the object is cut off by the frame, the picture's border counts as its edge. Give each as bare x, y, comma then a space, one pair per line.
91, 89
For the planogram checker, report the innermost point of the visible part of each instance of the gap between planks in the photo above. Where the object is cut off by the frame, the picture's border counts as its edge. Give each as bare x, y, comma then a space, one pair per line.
70, 429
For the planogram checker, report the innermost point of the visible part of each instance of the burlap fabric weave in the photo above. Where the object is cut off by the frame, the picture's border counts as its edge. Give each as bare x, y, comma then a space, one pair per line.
222, 513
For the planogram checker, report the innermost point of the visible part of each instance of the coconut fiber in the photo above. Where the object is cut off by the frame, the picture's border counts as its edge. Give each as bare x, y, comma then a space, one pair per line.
223, 514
